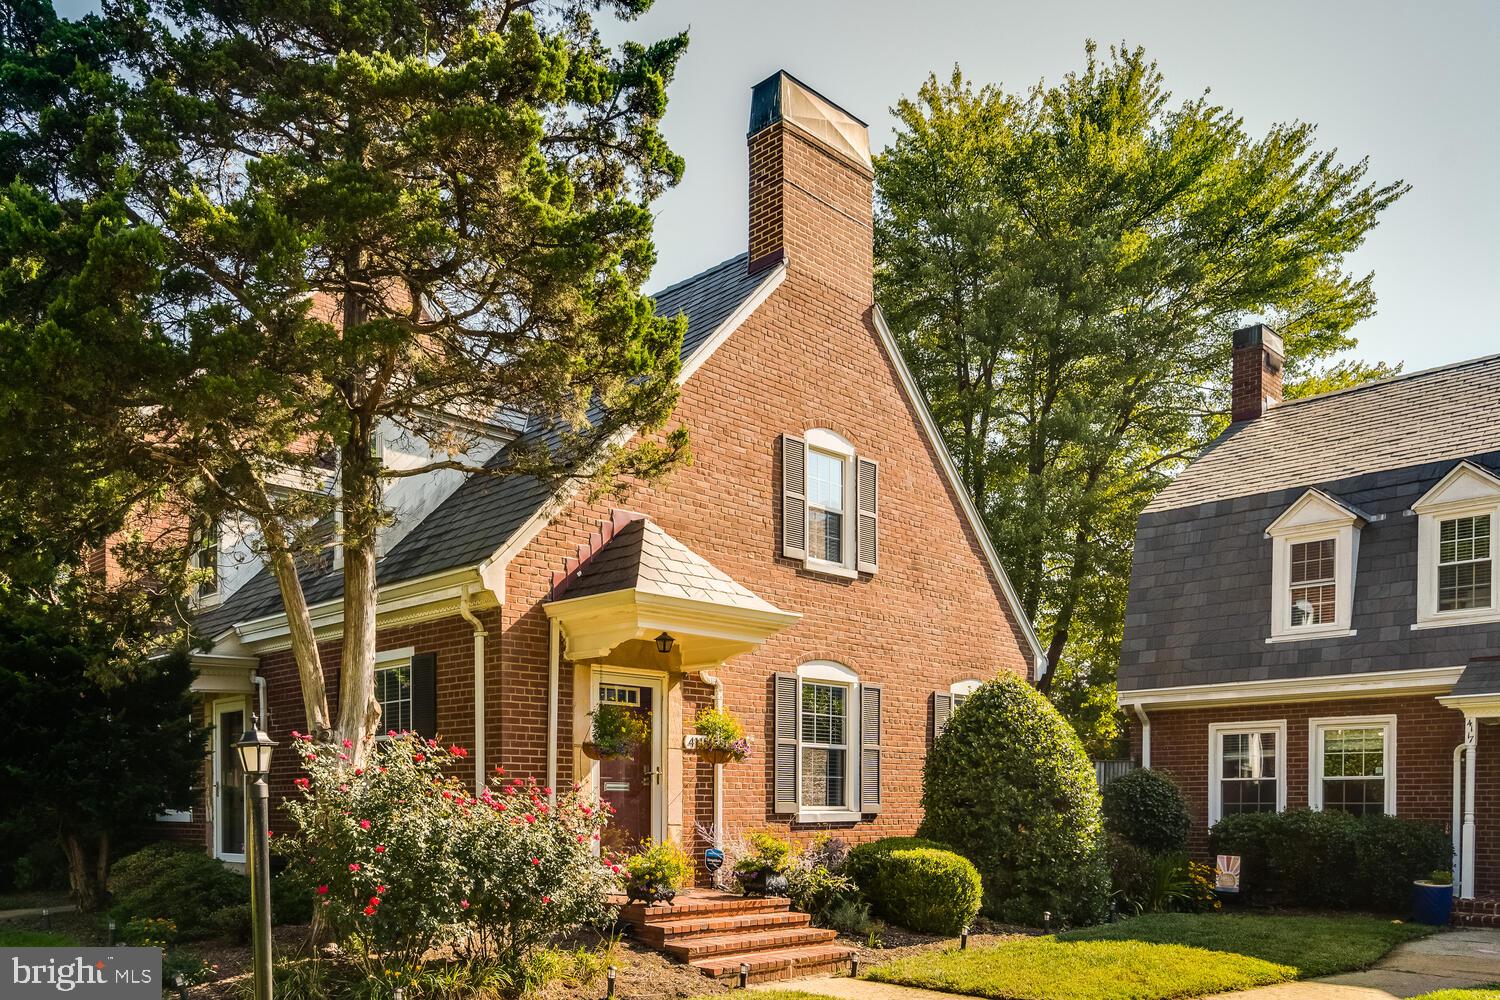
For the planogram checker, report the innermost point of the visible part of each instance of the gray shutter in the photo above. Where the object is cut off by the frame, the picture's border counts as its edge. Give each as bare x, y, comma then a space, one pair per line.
787, 719
869, 748
424, 695
793, 497
867, 515
942, 711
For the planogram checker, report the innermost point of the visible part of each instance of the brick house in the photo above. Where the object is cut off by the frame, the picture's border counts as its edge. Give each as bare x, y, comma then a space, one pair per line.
1312, 619
818, 568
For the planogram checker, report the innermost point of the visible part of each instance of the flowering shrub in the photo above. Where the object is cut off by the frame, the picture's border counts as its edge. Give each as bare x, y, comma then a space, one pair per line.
401, 856
657, 871
720, 733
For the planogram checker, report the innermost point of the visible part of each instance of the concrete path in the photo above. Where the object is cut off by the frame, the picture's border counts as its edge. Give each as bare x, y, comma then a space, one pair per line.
1444, 961
36, 911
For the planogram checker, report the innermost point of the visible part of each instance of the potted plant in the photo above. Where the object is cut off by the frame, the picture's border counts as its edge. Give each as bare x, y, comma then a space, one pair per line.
656, 873
720, 737
762, 870
616, 732
1432, 898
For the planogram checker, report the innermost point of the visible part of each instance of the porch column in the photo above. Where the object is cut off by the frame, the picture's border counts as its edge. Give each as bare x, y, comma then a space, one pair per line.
1471, 733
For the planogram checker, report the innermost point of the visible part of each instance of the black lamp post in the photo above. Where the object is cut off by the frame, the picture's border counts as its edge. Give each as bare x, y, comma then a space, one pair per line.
255, 748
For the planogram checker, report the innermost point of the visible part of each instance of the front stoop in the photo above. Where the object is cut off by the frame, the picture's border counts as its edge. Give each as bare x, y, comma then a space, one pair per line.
717, 932
1483, 911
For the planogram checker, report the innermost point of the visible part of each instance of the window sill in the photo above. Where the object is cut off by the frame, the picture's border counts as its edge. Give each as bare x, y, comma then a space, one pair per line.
829, 816
1456, 618
830, 569
175, 816
1340, 633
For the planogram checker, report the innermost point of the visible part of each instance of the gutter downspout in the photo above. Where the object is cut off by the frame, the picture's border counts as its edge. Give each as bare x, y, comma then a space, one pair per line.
554, 659
713, 681
479, 634
1140, 713
260, 695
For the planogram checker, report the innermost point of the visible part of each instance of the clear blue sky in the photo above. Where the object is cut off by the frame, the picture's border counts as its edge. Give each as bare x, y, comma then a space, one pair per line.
1415, 87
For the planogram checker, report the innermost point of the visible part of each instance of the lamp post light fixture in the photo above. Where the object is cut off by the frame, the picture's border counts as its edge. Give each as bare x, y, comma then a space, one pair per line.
255, 748
664, 642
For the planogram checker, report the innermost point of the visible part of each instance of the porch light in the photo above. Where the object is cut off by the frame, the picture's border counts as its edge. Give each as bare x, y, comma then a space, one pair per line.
664, 643
255, 749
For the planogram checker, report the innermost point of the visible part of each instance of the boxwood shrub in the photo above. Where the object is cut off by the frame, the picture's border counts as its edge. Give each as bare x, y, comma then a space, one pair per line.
186, 887
917, 884
1009, 787
1331, 860
1146, 809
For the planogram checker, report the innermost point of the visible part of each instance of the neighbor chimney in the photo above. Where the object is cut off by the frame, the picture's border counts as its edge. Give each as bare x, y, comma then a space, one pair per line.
1256, 384
810, 187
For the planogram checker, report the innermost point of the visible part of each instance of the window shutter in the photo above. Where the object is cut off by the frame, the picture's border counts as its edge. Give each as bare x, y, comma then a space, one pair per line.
867, 515
942, 711
787, 719
869, 748
424, 695
793, 497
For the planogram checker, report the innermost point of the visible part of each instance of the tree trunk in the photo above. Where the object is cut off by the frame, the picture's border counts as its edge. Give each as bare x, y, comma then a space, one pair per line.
86, 876
359, 711
299, 623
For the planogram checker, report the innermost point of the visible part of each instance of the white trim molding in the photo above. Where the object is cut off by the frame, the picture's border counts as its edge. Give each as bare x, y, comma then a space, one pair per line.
1314, 517
1429, 680
1217, 730
1316, 731
1466, 491
829, 672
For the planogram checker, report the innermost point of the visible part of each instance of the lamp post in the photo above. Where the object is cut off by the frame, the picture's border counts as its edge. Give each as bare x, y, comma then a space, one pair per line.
255, 748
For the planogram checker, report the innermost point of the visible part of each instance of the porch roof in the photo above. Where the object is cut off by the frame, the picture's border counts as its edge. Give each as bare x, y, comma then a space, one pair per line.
1480, 677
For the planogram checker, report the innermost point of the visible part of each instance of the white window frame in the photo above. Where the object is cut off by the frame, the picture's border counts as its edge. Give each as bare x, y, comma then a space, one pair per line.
1216, 732
829, 672
386, 660
833, 445
1430, 517
961, 691
214, 529
1316, 730
1314, 517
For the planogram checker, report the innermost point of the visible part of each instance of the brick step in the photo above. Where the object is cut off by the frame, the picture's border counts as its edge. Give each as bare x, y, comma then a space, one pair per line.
1487, 905
701, 905
783, 963
742, 942
662, 932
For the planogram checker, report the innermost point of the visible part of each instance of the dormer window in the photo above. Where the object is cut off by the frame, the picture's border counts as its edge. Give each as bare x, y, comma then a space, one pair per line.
1456, 520
1315, 544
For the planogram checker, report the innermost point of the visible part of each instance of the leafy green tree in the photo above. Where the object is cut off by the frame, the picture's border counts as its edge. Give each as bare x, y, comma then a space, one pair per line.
241, 237
98, 737
1063, 268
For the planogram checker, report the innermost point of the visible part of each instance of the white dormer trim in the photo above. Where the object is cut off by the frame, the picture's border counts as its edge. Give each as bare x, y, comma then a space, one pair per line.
1314, 516
1468, 490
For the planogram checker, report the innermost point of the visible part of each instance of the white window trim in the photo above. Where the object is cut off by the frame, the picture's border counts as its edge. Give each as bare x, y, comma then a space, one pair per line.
392, 658
1315, 731
199, 599
828, 672
1340, 526
1219, 729
1429, 521
962, 689
826, 441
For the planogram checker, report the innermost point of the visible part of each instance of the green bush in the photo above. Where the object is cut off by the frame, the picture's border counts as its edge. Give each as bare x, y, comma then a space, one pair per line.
930, 891
657, 871
1009, 787
1147, 809
170, 883
1331, 859
865, 858
818, 877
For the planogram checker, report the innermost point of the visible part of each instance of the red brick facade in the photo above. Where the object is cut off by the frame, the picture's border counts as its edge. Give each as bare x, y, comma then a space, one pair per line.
1426, 734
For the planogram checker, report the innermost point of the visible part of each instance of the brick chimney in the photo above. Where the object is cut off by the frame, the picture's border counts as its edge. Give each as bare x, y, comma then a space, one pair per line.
1256, 382
810, 188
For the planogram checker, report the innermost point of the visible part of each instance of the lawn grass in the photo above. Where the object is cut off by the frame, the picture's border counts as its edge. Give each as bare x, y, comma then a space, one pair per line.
1312, 945
1490, 992
34, 939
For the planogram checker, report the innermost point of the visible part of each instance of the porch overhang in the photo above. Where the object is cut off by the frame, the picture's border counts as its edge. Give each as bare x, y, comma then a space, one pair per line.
218, 673
621, 627
1476, 693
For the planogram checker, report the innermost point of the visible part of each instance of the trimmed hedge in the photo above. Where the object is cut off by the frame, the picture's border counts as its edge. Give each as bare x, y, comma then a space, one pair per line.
188, 888
1330, 859
917, 884
1009, 786
1146, 809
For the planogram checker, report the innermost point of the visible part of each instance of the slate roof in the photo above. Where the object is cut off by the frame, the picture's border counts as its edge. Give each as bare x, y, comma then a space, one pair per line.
644, 557
484, 512
1402, 421
1479, 677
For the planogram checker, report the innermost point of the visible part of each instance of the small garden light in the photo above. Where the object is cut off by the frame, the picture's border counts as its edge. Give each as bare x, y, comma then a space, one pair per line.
610, 977
744, 974
664, 642
180, 981
854, 966
963, 938
110, 941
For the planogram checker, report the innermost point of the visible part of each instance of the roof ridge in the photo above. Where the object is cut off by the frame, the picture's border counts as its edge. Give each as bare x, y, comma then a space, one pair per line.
1382, 382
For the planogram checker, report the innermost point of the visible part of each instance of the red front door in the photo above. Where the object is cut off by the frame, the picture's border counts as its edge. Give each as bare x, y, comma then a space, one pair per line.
628, 783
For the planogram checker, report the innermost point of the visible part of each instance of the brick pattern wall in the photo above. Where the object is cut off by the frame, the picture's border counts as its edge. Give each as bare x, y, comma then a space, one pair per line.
1256, 377
1426, 734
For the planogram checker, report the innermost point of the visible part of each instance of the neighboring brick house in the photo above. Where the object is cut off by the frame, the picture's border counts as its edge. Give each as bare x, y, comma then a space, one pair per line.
1313, 617
818, 566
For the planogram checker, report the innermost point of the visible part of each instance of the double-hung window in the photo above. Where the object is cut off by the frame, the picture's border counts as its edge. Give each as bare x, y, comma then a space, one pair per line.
826, 476
1315, 548
394, 690
1314, 589
1247, 768
825, 745
1353, 764
830, 504
827, 756
1456, 523
1464, 564
206, 562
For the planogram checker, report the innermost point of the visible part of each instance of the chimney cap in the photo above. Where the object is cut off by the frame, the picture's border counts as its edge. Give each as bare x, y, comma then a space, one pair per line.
1259, 335
783, 97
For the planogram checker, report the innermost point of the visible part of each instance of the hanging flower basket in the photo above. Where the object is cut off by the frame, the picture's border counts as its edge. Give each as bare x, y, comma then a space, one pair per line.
720, 739
592, 751
616, 732
718, 755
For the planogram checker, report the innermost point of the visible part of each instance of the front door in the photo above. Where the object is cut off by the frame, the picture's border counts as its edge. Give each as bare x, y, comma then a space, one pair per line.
229, 782
631, 784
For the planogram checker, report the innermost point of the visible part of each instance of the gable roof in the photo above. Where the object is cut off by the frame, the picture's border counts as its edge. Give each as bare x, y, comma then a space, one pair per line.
1406, 420
484, 512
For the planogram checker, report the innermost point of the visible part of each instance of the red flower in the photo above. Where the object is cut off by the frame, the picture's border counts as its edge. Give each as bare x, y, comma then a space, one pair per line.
530, 818
374, 900
458, 751
500, 807
418, 757
380, 890
580, 838
499, 769
322, 890
301, 782
369, 911
379, 848
364, 824
432, 744
390, 732
312, 756
354, 866
546, 899
358, 771
348, 744
464, 903
536, 861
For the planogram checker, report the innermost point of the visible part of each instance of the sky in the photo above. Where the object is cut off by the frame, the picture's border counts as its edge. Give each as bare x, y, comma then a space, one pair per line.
1413, 86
